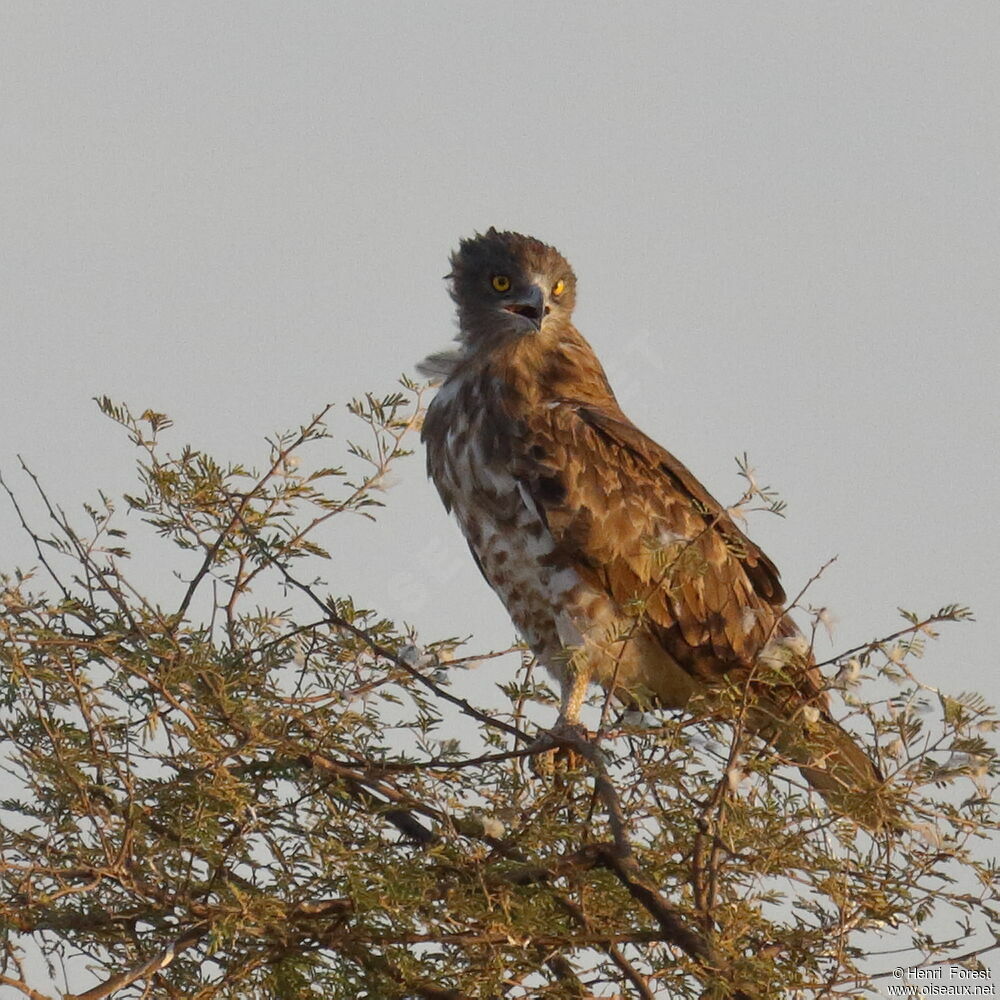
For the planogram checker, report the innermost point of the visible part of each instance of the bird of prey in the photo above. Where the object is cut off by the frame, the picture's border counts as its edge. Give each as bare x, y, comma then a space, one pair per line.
614, 562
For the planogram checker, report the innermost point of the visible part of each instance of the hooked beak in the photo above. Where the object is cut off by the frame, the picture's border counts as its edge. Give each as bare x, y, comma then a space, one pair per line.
531, 306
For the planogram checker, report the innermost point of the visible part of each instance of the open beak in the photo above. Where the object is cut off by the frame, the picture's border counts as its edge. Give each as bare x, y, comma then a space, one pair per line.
531, 306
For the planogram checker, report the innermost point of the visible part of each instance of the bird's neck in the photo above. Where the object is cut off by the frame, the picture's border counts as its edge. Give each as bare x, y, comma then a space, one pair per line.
554, 364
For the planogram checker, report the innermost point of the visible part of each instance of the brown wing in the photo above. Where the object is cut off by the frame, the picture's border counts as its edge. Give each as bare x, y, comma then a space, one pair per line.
634, 520
709, 596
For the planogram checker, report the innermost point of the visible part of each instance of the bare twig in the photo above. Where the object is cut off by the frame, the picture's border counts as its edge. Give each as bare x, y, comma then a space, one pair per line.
237, 517
875, 643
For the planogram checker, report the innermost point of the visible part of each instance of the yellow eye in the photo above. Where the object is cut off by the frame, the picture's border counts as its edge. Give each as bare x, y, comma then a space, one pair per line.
558, 288
501, 282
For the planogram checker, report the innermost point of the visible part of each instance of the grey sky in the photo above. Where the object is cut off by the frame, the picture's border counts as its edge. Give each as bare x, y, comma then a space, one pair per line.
783, 217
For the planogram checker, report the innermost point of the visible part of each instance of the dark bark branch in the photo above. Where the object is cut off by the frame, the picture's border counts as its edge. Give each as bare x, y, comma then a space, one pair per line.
640, 982
22, 987
359, 789
564, 972
146, 969
673, 929
615, 953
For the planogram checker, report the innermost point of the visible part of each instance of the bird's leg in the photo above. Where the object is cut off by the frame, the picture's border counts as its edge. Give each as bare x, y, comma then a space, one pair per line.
568, 738
573, 683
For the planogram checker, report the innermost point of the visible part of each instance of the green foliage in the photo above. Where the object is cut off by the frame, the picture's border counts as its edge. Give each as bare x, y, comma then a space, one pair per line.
214, 798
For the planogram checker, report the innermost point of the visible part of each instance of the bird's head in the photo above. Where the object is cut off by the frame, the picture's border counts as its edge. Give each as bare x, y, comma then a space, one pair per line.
506, 284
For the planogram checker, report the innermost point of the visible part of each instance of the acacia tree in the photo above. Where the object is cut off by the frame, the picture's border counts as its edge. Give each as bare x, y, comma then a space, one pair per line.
255, 789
